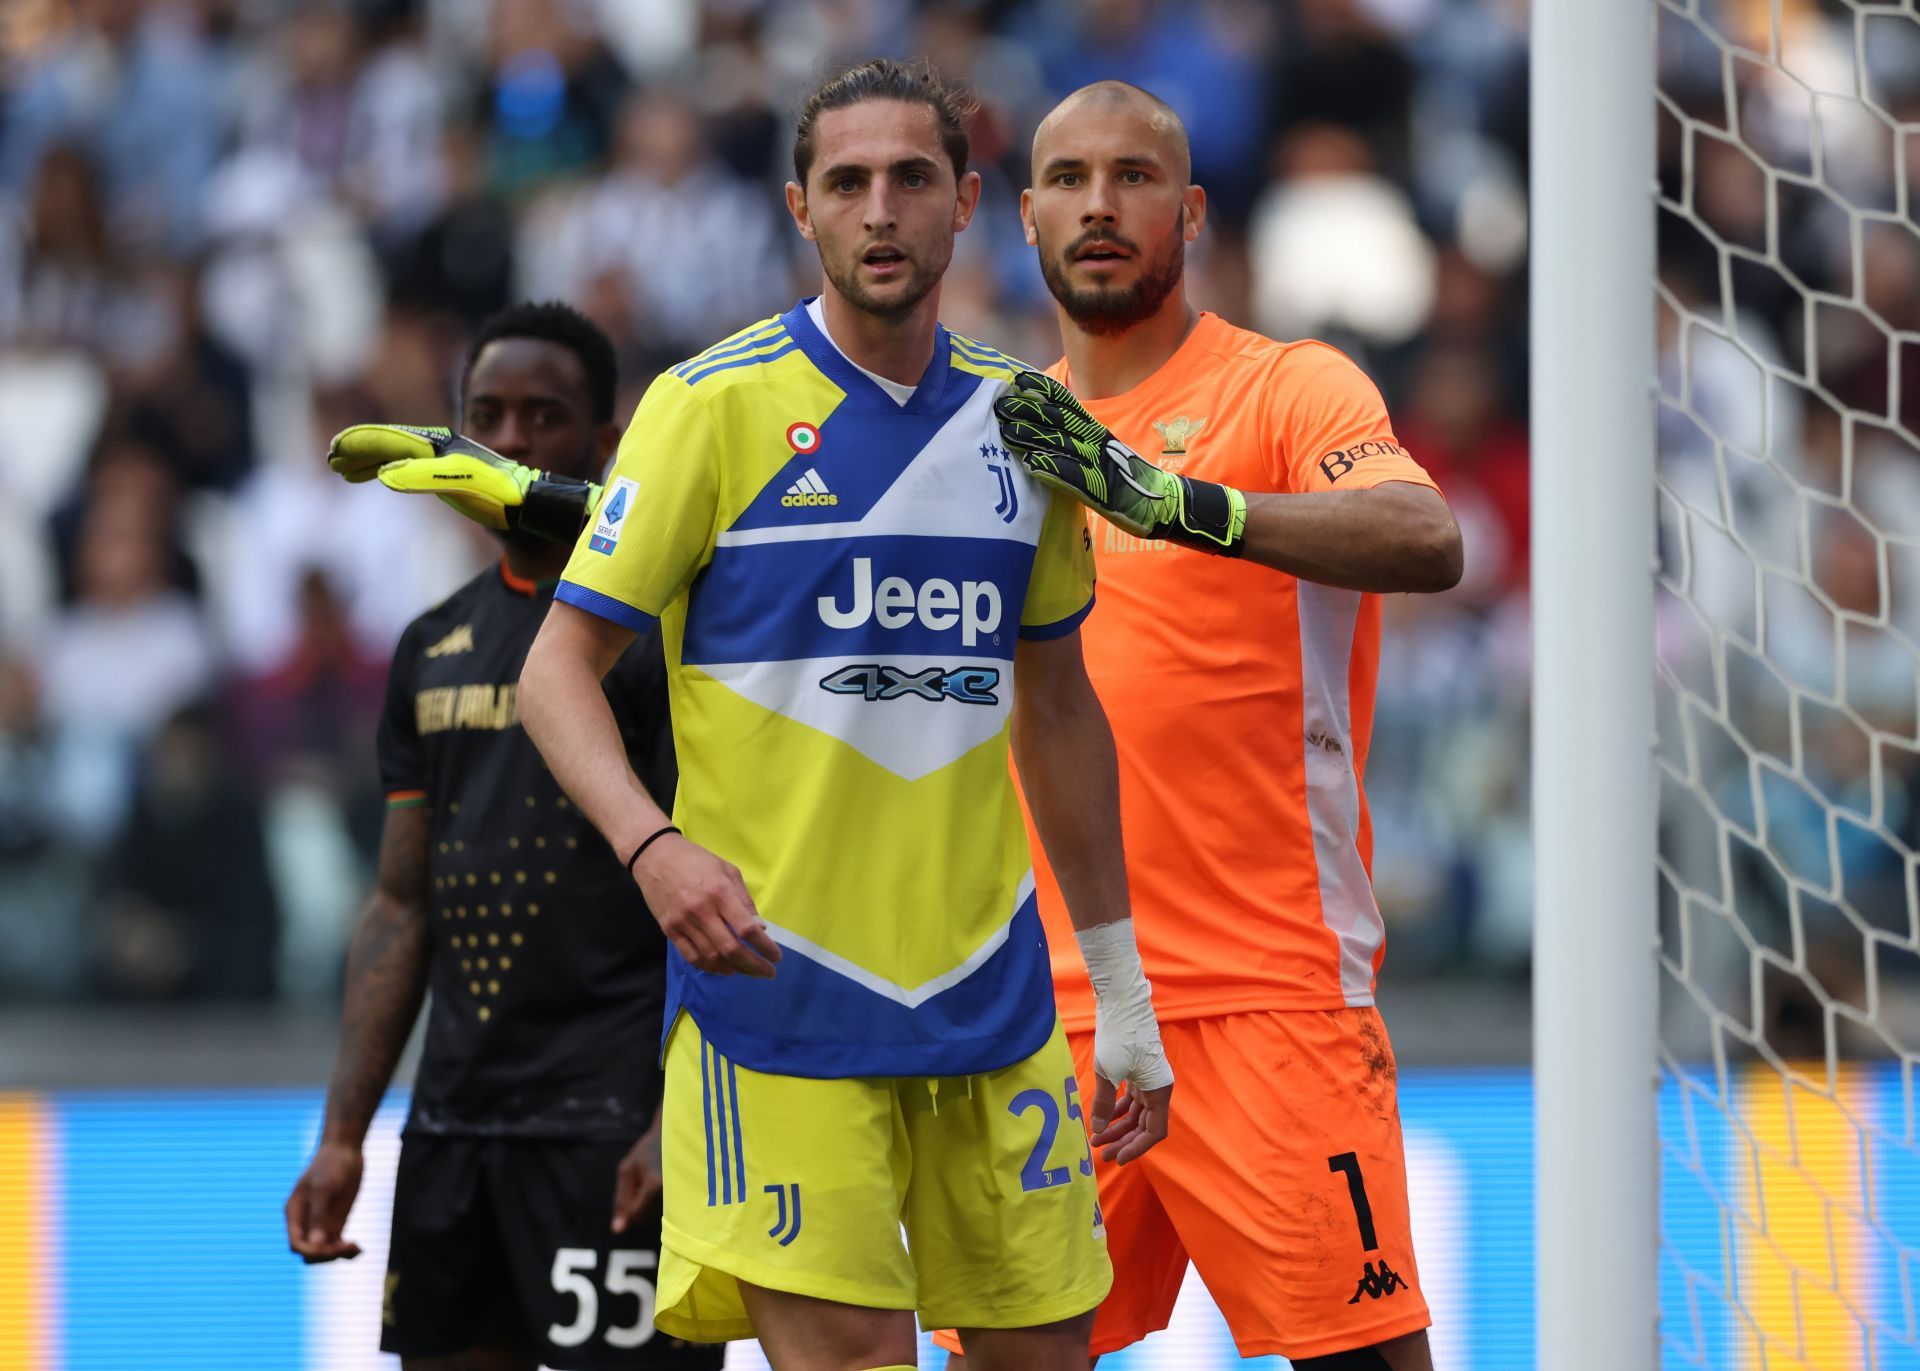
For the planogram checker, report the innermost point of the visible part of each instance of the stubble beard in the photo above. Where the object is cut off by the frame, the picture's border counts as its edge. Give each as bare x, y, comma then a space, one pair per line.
1107, 310
921, 284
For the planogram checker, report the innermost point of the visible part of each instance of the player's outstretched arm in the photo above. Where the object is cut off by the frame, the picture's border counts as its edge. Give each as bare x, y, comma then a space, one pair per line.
1064, 749
386, 980
1393, 537
700, 901
486, 487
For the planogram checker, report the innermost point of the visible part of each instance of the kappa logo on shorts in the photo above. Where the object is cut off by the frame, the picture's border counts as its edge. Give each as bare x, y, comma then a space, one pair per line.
1377, 1284
783, 1231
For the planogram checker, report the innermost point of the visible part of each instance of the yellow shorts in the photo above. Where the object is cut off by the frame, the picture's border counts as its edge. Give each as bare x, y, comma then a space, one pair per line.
969, 1199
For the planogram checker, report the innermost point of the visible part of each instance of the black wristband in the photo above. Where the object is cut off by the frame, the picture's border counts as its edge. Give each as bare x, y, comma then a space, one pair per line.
1209, 514
555, 508
648, 842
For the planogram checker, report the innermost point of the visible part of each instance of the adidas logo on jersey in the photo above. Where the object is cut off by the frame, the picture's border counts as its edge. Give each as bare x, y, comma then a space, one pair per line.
809, 490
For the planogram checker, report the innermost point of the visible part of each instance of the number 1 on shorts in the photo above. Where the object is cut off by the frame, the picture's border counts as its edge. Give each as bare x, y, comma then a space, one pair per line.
1357, 1191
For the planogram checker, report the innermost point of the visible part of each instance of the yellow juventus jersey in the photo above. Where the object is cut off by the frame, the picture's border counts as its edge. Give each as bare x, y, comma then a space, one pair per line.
840, 581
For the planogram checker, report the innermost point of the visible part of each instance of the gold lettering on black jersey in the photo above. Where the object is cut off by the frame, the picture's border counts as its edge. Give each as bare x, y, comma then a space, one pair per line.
433, 709
490, 708
460, 640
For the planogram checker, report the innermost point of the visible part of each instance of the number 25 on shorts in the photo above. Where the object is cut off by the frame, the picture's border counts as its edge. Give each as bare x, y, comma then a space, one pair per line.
1036, 1174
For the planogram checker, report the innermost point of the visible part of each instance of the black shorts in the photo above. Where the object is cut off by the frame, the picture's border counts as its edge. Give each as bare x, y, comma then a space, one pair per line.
507, 1241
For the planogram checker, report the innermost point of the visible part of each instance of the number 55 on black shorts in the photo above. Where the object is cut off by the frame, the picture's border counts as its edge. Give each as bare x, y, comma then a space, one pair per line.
506, 1241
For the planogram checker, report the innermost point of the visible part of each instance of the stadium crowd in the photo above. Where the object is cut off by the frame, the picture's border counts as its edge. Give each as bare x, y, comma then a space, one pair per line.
229, 228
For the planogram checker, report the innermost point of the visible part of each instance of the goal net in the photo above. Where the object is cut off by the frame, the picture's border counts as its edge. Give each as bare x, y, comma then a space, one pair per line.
1787, 622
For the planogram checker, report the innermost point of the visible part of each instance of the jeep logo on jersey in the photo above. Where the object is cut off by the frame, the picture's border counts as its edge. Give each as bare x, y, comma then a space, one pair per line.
972, 606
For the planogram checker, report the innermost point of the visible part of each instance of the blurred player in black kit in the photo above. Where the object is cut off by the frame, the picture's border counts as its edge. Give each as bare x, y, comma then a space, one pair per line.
525, 1223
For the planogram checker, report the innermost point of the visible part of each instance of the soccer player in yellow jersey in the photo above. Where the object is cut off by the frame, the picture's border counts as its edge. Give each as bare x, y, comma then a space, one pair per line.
851, 576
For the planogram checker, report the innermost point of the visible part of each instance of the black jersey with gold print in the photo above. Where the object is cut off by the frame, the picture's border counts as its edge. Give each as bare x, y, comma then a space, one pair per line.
547, 972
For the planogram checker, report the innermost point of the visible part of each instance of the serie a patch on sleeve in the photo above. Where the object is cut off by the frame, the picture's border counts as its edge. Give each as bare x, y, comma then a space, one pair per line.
612, 514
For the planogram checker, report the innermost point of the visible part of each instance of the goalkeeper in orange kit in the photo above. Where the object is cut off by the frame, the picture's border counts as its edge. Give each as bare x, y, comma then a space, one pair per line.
1256, 504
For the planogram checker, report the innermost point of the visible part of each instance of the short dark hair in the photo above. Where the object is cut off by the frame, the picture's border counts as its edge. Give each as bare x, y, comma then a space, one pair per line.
551, 321
912, 83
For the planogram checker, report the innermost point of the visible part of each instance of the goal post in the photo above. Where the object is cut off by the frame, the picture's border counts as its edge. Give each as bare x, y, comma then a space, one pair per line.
1726, 609
1594, 968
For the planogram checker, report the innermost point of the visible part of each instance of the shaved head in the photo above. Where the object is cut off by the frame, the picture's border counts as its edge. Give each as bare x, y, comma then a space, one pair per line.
1121, 98
1111, 209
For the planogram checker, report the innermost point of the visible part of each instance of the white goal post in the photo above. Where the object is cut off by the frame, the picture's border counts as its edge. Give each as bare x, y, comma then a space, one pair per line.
1594, 986
1726, 609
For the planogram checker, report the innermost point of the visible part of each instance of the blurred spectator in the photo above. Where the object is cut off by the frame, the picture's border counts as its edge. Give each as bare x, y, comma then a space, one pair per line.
62, 282
1463, 433
192, 401
132, 482
1203, 59
1340, 67
552, 96
138, 86
128, 653
699, 252
186, 909
310, 716
1335, 247
461, 261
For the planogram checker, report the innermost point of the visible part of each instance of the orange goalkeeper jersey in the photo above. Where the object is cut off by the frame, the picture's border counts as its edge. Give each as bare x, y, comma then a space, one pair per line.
1241, 699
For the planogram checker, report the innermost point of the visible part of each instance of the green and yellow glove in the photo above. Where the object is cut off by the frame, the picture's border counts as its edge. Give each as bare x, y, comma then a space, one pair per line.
1067, 448
477, 481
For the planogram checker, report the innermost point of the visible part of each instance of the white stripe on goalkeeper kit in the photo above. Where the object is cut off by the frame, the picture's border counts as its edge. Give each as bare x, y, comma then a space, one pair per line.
1327, 621
918, 995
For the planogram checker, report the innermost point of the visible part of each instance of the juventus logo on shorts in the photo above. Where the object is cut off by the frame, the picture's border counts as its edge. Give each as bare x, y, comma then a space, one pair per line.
781, 1232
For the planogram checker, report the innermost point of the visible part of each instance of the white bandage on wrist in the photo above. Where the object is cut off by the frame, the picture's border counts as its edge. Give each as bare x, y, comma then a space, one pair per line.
1126, 1036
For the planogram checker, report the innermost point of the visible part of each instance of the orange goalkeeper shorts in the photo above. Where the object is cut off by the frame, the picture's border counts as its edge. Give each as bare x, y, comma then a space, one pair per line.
1283, 1179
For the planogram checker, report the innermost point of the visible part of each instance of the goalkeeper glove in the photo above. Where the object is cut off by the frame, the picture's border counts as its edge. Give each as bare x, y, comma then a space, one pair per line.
1068, 449
480, 483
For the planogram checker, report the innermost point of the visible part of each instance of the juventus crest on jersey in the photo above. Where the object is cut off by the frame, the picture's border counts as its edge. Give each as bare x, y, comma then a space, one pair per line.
842, 579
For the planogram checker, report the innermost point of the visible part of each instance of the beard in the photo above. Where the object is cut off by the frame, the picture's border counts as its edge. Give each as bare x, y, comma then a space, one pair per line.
1108, 310
919, 284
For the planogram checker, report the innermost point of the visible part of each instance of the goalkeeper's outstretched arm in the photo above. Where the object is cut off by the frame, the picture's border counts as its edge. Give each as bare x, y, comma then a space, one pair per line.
1064, 749
1392, 537
489, 489
1395, 536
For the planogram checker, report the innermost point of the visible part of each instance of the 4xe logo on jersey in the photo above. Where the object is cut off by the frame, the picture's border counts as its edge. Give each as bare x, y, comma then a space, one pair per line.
970, 685
936, 603
1377, 1284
